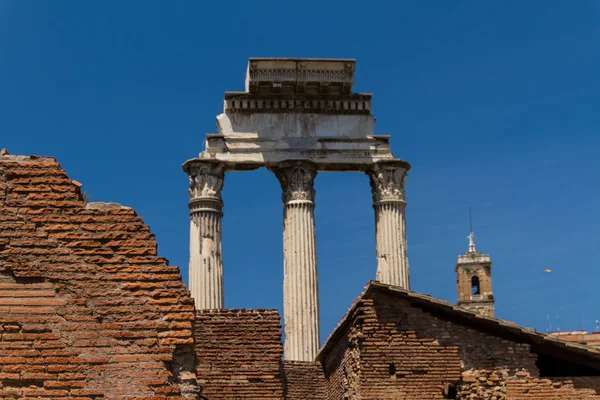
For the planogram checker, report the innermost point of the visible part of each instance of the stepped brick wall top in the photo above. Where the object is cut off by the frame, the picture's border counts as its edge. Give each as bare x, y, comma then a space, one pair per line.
239, 354
393, 348
87, 309
304, 380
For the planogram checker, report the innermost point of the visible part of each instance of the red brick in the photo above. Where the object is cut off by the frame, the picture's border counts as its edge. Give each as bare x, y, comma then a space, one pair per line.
44, 302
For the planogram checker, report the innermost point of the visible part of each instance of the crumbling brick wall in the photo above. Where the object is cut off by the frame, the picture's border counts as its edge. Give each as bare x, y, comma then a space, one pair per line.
405, 352
239, 354
525, 387
401, 354
304, 380
88, 310
341, 367
499, 384
433, 355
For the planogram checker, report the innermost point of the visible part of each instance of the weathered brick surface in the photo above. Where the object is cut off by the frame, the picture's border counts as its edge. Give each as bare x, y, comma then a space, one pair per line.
564, 388
392, 349
500, 384
87, 309
341, 367
239, 354
304, 380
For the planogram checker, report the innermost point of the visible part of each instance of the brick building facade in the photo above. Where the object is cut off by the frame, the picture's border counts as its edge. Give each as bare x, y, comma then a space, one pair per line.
89, 311
396, 344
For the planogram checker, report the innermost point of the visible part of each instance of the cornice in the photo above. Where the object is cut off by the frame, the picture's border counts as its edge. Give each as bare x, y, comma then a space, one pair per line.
357, 104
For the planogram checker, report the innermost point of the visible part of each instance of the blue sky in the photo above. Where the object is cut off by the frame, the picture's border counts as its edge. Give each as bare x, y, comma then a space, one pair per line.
495, 105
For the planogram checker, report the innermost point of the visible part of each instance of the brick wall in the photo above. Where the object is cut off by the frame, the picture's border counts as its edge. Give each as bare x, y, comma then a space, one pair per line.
341, 367
239, 354
405, 352
401, 355
304, 381
499, 384
525, 387
87, 309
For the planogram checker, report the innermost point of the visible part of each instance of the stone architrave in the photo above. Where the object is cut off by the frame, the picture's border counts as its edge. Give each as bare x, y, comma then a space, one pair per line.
206, 262
297, 109
387, 186
300, 285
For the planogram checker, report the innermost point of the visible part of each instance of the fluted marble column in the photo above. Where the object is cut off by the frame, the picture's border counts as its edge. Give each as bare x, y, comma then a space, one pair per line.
206, 262
387, 186
300, 286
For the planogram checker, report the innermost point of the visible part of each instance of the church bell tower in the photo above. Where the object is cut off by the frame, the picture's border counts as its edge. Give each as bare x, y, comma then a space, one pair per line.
474, 280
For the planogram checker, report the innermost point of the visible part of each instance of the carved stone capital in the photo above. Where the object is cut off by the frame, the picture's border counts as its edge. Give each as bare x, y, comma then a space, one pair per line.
297, 180
206, 182
387, 180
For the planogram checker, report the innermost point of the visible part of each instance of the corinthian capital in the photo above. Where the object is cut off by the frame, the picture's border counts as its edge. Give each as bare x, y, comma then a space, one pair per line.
206, 179
297, 179
387, 180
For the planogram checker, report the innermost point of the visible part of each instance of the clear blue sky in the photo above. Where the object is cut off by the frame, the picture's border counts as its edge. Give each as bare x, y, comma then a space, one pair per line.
495, 105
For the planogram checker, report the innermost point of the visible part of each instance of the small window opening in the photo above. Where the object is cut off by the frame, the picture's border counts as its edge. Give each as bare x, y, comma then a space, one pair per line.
392, 369
452, 391
475, 285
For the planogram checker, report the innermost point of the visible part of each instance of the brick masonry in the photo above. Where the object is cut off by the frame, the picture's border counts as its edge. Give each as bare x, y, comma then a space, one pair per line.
394, 350
89, 311
87, 308
304, 380
239, 354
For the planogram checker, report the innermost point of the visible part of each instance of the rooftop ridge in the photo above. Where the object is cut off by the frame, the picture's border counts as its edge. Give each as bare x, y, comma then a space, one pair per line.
528, 335
6, 156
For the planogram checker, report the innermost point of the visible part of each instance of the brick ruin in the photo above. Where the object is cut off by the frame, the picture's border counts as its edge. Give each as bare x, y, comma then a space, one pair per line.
396, 344
88, 310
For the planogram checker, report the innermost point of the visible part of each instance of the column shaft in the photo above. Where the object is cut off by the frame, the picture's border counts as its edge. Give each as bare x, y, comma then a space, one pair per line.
206, 265
206, 262
300, 286
387, 186
390, 230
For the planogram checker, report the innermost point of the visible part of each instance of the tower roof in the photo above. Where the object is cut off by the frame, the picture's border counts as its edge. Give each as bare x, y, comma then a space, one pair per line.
472, 256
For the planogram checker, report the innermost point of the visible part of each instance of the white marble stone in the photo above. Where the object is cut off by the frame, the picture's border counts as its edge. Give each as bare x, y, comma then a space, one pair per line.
244, 151
387, 185
206, 261
297, 109
300, 284
299, 75
300, 126
297, 117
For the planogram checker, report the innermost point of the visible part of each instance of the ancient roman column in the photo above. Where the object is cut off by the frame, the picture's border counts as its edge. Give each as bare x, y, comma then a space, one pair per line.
206, 262
387, 186
300, 286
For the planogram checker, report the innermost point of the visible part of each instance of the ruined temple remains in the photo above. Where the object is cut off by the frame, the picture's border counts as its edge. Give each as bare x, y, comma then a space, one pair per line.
296, 117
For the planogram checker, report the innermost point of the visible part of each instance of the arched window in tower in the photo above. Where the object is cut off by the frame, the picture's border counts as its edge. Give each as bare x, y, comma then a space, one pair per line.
475, 285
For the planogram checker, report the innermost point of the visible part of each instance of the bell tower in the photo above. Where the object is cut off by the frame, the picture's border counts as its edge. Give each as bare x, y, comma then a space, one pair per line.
474, 280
